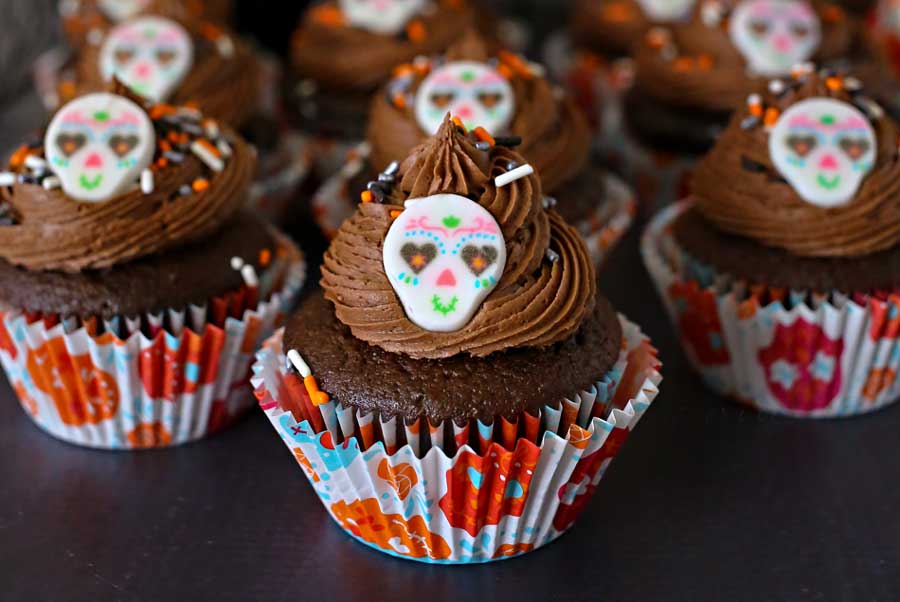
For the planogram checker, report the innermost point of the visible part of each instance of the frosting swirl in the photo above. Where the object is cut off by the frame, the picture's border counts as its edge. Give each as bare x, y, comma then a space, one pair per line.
536, 302
555, 135
50, 231
610, 27
696, 64
758, 203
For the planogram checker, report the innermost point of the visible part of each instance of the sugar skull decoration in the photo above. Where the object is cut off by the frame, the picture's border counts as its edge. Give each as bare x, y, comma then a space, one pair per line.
443, 255
119, 10
775, 35
472, 91
666, 11
150, 55
97, 145
386, 17
824, 148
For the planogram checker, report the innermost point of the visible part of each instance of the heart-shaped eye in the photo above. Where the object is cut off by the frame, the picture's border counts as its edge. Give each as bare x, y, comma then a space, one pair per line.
122, 145
123, 54
854, 147
69, 144
478, 259
801, 145
442, 99
759, 27
417, 257
490, 99
800, 30
165, 56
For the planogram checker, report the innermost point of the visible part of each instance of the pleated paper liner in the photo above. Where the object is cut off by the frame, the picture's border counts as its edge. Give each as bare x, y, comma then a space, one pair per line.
334, 202
452, 494
155, 380
799, 353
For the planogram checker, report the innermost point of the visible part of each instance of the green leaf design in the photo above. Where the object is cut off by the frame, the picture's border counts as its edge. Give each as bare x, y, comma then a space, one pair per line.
90, 184
442, 308
451, 221
827, 184
101, 116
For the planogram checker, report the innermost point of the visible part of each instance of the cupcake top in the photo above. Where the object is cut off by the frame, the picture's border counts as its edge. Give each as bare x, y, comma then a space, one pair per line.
455, 253
498, 91
371, 38
115, 179
187, 62
811, 167
612, 27
727, 49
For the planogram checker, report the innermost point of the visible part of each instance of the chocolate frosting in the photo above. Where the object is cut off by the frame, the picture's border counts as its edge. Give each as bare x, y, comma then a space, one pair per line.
609, 27
536, 302
555, 135
738, 188
54, 232
366, 58
699, 66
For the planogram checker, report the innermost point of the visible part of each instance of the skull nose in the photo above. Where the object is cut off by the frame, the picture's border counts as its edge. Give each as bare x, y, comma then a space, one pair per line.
142, 69
782, 42
446, 278
464, 111
828, 161
94, 160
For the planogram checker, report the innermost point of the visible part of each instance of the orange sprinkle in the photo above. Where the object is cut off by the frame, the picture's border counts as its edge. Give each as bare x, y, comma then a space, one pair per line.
656, 38
422, 67
832, 13
162, 163
617, 12
455, 4
318, 398
683, 64
210, 31
395, 214
367, 196
200, 184
17, 159
160, 110
834, 83
265, 256
209, 146
458, 122
173, 137
399, 100
483, 135
771, 117
327, 15
165, 146
705, 62
415, 31
505, 71
516, 63
403, 70
67, 89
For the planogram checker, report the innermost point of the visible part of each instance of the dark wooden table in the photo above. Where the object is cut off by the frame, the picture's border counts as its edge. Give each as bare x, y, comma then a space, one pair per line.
706, 502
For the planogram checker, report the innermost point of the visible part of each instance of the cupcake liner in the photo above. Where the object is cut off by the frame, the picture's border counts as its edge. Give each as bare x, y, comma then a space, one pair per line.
281, 173
659, 178
793, 352
334, 202
156, 380
459, 494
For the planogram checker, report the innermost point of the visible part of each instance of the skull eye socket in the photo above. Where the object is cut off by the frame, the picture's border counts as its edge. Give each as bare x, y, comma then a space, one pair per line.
122, 145
69, 144
165, 56
478, 259
490, 99
417, 257
854, 147
801, 145
442, 99
123, 54
759, 27
800, 30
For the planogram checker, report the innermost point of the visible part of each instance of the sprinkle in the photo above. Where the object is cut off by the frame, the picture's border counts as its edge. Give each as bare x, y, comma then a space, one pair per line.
224, 148
211, 128
18, 157
508, 141
657, 37
173, 156
299, 364
711, 14
7, 178
236, 263
416, 32
26, 179
511, 165
552, 256
35, 163
307, 87
868, 106
386, 178
771, 116
395, 214
834, 83
851, 84
225, 46
801, 70
248, 273
705, 62
512, 176
185, 190
483, 135
265, 256
95, 37
189, 113
147, 183
750, 121
200, 184
366, 196
483, 146
776, 86
50, 183
393, 168
754, 103
205, 153
317, 397
458, 122
398, 100
549, 202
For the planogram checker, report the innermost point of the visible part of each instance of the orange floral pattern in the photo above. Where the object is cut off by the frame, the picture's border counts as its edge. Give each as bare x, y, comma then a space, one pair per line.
698, 320
6, 340
148, 435
878, 381
174, 366
402, 478
306, 465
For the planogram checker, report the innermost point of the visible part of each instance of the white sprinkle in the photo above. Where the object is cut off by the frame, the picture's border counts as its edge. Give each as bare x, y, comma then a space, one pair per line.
50, 183
776, 86
224, 148
711, 14
205, 155
851, 84
511, 176
801, 69
147, 183
537, 69
248, 273
307, 87
236, 263
95, 37
7, 178
212, 129
189, 112
297, 360
421, 61
35, 163
225, 46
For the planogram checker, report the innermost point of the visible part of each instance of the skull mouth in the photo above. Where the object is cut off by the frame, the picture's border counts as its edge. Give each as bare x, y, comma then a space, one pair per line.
90, 183
828, 183
444, 308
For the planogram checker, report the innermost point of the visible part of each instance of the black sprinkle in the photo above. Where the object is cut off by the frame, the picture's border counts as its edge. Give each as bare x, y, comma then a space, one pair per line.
508, 141
753, 166
750, 121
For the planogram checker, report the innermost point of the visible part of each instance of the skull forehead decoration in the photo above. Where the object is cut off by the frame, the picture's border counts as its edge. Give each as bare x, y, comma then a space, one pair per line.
386, 17
472, 91
443, 255
666, 10
824, 148
97, 145
775, 35
119, 10
150, 55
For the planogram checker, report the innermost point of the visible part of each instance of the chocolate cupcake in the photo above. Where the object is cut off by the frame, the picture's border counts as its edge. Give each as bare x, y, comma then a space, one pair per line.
457, 359
689, 78
879, 67
783, 283
134, 288
329, 97
611, 28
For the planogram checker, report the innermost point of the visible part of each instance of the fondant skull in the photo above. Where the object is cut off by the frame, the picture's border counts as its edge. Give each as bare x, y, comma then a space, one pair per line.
666, 11
97, 145
472, 91
824, 148
443, 255
386, 17
119, 10
775, 35
150, 55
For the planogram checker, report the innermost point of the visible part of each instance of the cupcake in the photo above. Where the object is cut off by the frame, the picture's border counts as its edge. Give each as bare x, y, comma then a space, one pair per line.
330, 98
458, 388
133, 287
879, 68
689, 77
783, 283
495, 91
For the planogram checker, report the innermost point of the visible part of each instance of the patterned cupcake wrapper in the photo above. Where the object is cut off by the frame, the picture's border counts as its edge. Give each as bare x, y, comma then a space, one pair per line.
334, 202
799, 353
281, 173
157, 380
451, 494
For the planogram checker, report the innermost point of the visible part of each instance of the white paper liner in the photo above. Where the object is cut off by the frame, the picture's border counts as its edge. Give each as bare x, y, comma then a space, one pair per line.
151, 381
462, 494
810, 355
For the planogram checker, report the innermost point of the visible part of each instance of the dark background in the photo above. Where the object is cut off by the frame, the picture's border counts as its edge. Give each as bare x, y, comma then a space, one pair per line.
707, 501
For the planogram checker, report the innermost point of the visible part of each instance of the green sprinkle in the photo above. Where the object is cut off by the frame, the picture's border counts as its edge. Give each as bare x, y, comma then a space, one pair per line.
827, 119
101, 116
451, 221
